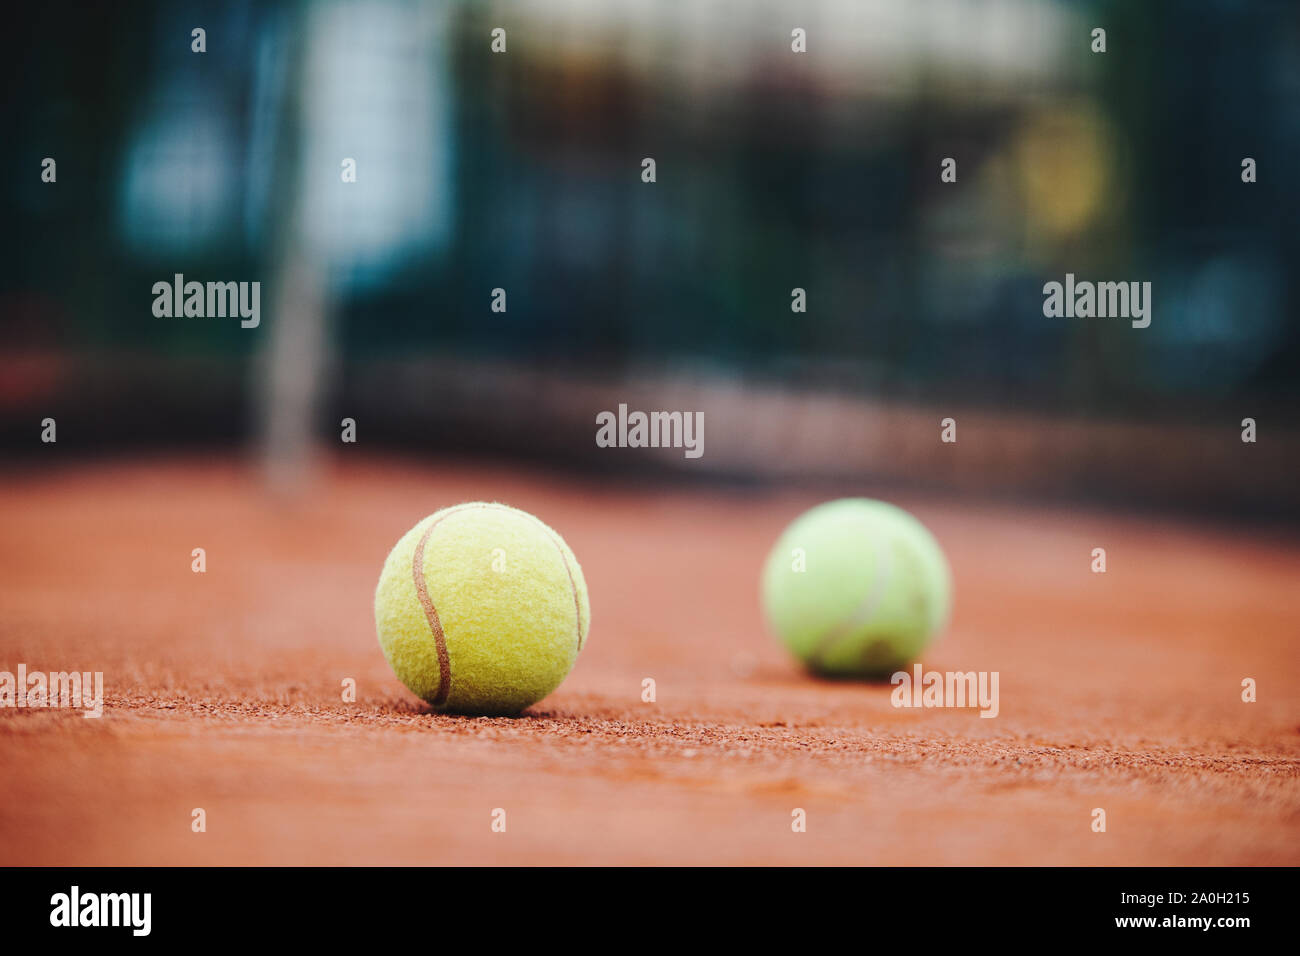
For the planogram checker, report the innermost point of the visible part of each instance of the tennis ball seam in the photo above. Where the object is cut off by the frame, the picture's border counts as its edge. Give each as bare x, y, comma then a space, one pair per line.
431, 612
568, 569
863, 613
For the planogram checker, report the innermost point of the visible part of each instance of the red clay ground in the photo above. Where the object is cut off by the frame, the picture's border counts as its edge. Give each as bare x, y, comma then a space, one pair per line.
1119, 691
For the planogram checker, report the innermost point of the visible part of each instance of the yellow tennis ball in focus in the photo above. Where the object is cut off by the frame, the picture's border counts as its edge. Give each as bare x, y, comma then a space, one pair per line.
482, 609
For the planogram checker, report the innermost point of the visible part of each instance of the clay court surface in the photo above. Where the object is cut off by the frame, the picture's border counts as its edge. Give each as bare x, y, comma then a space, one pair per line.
223, 690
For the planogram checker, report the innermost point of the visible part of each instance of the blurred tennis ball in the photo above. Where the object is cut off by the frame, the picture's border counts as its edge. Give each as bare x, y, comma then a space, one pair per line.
856, 588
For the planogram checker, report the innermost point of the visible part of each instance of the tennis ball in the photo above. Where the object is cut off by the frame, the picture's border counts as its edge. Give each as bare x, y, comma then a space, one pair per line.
481, 608
856, 588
